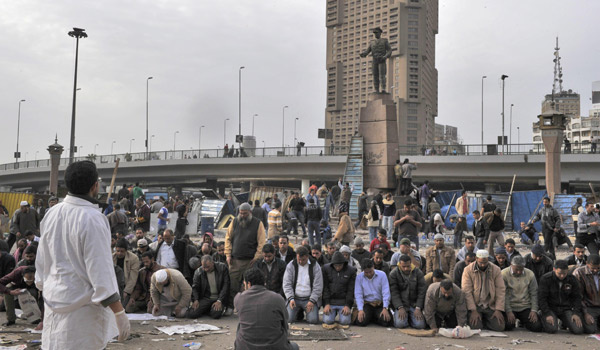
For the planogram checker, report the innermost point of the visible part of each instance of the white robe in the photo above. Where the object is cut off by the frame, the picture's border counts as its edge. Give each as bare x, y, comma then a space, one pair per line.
74, 269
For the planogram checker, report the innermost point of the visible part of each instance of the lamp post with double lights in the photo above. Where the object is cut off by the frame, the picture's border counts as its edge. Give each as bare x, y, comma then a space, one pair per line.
76, 33
240, 102
200, 139
256, 115
225, 131
283, 130
130, 145
503, 77
483, 77
175, 139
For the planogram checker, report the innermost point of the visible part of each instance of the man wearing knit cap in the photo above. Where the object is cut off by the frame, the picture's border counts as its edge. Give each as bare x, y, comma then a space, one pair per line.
347, 252
538, 262
484, 291
521, 296
243, 246
439, 256
501, 258
359, 253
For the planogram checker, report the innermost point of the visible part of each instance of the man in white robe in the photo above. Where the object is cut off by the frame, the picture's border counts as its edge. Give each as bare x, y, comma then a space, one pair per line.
74, 269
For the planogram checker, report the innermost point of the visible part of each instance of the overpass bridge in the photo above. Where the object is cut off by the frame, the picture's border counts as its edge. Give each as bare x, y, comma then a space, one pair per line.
473, 168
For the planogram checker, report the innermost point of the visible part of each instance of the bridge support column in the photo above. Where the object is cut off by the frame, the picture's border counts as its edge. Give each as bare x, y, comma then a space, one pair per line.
305, 186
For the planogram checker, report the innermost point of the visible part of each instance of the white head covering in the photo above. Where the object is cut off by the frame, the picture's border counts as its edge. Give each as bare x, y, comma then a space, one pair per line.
481, 253
161, 276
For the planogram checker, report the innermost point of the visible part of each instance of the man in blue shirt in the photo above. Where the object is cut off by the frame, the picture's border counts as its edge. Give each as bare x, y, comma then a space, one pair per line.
372, 295
163, 219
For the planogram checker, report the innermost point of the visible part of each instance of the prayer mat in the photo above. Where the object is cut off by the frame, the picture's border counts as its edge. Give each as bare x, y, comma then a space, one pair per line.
320, 334
418, 332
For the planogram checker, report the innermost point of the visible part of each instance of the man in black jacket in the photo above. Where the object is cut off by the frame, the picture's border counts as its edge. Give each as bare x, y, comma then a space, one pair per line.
496, 224
338, 290
578, 258
297, 205
407, 286
538, 262
379, 263
560, 298
272, 269
481, 230
259, 213
7, 261
210, 290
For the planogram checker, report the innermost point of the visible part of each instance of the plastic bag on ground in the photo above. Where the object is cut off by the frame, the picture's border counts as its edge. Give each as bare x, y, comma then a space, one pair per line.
459, 332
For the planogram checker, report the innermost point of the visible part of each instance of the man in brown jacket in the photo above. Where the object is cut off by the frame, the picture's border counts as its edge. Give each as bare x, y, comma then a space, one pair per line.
484, 291
171, 293
445, 306
440, 257
130, 264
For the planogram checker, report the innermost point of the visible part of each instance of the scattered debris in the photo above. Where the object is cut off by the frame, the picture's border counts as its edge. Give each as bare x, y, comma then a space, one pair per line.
187, 328
418, 332
193, 346
145, 317
521, 341
459, 332
492, 334
16, 347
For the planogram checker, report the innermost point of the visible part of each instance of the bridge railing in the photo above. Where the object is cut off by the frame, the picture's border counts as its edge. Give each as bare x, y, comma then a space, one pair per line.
189, 154
478, 149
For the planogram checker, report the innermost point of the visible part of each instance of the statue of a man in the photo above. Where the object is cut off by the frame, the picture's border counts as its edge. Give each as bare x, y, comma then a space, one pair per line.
381, 50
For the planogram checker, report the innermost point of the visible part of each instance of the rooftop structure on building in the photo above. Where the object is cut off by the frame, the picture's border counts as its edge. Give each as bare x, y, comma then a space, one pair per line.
412, 79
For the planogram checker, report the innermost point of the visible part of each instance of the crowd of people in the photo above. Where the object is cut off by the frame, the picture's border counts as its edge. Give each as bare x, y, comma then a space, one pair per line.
332, 276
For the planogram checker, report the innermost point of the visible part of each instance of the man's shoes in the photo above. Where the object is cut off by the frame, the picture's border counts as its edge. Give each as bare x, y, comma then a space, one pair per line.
8, 323
228, 311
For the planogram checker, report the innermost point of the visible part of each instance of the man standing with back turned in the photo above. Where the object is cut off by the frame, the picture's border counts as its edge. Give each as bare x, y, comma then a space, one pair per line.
74, 269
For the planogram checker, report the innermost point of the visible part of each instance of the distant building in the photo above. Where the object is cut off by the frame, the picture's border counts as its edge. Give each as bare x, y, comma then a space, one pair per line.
412, 79
595, 111
565, 102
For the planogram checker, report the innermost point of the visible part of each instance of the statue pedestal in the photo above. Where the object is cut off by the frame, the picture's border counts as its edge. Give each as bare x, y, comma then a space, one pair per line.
379, 129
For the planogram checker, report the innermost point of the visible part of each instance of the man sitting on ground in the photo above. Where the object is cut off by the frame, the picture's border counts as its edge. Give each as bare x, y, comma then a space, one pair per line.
210, 290
440, 256
254, 329
379, 263
317, 253
469, 247
436, 276
338, 290
380, 240
272, 269
445, 306
578, 258
405, 249
521, 296
587, 276
560, 298
345, 250
538, 262
408, 289
484, 292
459, 268
501, 258
359, 251
20, 283
303, 286
130, 264
170, 292
511, 252
285, 252
140, 298
372, 295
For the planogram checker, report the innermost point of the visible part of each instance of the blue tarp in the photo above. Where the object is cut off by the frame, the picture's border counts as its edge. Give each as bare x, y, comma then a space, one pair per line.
444, 198
451, 225
523, 207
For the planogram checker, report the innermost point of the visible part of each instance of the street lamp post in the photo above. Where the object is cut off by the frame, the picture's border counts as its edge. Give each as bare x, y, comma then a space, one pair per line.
295, 141
151, 137
256, 115
503, 77
76, 33
96, 145
130, 143
483, 77
111, 147
17, 155
225, 131
200, 139
283, 130
510, 127
518, 140
174, 139
240, 102
147, 153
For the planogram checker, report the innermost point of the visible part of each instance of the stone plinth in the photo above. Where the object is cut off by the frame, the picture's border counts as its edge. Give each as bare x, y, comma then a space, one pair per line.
552, 125
55, 151
379, 129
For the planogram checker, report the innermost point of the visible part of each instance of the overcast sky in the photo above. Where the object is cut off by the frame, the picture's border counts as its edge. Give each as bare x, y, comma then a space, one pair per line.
193, 49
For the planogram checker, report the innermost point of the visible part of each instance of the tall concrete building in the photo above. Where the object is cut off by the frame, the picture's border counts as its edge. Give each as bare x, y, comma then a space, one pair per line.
412, 79
565, 102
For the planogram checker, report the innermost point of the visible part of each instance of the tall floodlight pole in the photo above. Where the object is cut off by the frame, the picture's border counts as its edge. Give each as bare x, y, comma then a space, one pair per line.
295, 140
111, 147
256, 115
240, 102
147, 146
17, 155
130, 143
503, 77
283, 130
510, 128
225, 131
175, 139
76, 33
200, 138
483, 77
